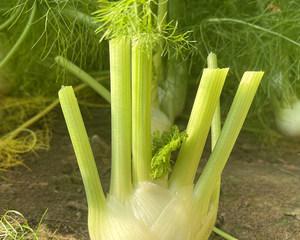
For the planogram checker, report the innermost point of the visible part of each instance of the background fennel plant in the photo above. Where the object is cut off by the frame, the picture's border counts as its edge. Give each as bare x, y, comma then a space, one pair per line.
203, 194
262, 35
32, 33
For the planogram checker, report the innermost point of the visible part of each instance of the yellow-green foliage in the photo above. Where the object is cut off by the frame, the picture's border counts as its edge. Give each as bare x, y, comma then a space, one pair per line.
16, 138
11, 148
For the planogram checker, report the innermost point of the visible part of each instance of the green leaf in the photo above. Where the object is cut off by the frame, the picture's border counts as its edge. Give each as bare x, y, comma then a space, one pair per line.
163, 145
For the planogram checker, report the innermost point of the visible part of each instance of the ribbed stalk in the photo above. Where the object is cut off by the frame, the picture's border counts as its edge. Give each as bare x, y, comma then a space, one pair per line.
216, 121
232, 126
215, 131
141, 110
207, 97
83, 76
83, 151
216, 126
119, 52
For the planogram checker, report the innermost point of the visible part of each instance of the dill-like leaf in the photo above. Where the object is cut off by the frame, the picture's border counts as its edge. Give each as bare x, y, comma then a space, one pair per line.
163, 144
136, 19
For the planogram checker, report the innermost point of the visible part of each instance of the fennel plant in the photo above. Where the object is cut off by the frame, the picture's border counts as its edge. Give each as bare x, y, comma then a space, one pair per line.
32, 33
149, 198
261, 34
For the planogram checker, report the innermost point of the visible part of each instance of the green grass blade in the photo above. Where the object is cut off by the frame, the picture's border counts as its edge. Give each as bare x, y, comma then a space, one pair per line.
224, 234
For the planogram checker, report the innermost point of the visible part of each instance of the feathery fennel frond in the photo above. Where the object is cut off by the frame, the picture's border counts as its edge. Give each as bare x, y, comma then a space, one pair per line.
63, 28
136, 19
59, 28
163, 144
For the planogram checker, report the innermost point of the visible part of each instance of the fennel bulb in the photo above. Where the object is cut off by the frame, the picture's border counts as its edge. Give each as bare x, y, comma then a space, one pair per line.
148, 198
288, 119
155, 213
171, 207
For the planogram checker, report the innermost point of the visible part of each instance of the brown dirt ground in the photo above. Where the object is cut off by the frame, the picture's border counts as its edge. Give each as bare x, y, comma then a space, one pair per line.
260, 196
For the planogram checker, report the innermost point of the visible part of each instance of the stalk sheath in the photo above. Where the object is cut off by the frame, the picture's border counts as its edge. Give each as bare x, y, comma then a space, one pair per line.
216, 121
141, 110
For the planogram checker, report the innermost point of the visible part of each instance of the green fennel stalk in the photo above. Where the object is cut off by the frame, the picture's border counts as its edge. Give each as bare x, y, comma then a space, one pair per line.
141, 110
216, 121
85, 158
121, 117
232, 126
215, 130
198, 127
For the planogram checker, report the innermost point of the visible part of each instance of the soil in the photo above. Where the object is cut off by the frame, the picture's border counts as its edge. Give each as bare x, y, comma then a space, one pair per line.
260, 196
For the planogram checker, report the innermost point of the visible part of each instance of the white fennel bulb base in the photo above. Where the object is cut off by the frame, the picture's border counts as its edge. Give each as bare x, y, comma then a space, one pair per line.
154, 212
